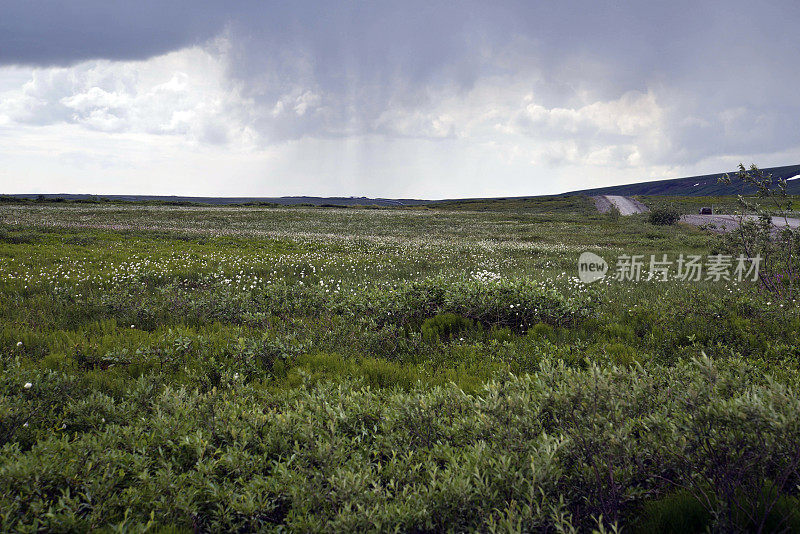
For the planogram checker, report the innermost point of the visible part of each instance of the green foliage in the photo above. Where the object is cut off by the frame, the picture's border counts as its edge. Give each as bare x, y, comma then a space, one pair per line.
445, 327
761, 233
236, 369
10, 236
514, 304
621, 354
560, 447
681, 511
542, 330
616, 331
664, 216
676, 513
548, 204
614, 213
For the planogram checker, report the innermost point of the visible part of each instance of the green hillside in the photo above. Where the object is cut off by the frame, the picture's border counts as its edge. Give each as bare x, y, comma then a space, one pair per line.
696, 186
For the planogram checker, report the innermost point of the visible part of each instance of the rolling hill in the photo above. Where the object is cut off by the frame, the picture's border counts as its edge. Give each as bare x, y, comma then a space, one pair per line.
696, 186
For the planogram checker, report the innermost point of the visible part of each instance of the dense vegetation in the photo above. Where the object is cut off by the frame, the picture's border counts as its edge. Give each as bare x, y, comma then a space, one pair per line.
663, 216
215, 369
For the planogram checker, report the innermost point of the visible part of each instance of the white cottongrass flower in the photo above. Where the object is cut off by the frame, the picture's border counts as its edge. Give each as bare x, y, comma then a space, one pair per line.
19, 343
28, 385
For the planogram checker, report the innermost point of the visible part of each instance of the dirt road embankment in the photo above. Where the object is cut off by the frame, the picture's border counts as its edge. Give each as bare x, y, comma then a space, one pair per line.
625, 205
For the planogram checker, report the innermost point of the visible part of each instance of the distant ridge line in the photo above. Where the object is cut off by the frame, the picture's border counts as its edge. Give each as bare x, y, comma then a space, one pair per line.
221, 201
704, 185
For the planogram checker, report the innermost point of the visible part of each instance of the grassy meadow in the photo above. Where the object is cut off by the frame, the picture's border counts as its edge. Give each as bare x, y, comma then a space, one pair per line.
430, 369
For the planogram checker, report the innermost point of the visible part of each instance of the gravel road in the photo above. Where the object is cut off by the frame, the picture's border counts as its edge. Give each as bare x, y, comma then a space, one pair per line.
726, 223
720, 223
625, 205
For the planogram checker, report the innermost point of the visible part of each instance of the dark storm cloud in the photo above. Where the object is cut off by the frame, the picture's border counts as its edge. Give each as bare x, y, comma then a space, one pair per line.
374, 41
47, 32
726, 73
408, 43
705, 60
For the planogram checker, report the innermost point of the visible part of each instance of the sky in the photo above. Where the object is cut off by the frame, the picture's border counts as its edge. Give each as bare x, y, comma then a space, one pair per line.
413, 99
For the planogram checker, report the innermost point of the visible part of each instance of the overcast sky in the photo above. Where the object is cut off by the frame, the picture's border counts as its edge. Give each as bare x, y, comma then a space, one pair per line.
397, 99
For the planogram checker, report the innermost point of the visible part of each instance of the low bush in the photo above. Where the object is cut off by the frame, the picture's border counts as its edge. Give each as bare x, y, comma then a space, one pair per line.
675, 513
542, 330
16, 237
664, 216
206, 379
516, 304
771, 236
444, 327
551, 451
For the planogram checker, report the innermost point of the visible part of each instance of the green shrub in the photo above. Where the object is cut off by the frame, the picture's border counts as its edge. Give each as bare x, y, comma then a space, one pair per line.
501, 334
664, 216
179, 380
778, 245
445, 327
621, 354
542, 330
618, 332
544, 451
681, 511
516, 304
677, 513
15, 237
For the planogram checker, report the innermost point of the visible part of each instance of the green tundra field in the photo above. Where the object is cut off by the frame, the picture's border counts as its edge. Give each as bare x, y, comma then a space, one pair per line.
430, 369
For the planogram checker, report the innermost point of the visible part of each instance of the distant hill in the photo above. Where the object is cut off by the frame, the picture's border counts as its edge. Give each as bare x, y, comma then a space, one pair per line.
706, 185
696, 186
283, 201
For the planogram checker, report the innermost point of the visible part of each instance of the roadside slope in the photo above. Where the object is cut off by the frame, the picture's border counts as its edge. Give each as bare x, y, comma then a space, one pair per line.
625, 205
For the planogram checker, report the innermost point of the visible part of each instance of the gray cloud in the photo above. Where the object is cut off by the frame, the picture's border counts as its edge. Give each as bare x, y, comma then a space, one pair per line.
52, 32
565, 83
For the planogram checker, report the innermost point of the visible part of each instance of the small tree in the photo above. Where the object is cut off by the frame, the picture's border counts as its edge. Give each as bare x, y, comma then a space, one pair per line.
664, 216
778, 245
614, 213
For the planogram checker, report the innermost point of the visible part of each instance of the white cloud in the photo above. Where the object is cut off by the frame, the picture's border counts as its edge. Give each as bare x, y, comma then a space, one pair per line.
181, 123
185, 93
633, 114
503, 112
296, 103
